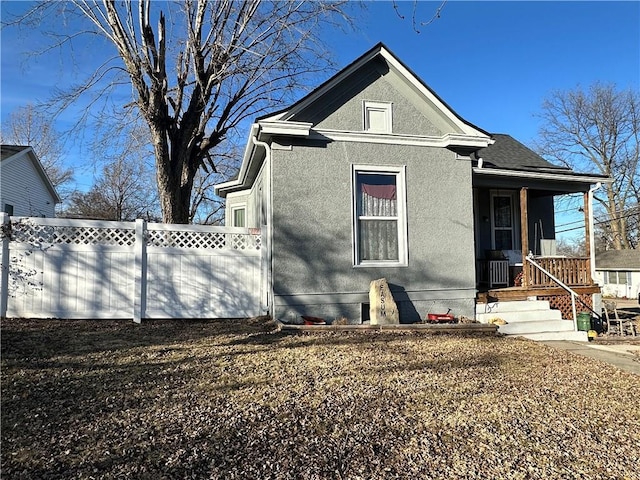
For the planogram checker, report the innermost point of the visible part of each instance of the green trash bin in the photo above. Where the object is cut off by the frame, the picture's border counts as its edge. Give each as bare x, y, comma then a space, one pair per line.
584, 321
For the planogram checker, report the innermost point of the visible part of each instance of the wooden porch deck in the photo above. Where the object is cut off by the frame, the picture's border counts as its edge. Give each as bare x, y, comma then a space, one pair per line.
523, 293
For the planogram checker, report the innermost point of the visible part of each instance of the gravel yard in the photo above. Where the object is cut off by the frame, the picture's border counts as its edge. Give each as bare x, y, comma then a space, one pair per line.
239, 400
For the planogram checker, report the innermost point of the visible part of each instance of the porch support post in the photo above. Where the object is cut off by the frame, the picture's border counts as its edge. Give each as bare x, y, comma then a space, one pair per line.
587, 231
524, 234
140, 272
5, 264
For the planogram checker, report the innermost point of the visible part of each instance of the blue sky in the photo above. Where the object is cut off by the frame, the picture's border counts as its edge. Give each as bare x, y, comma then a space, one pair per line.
492, 62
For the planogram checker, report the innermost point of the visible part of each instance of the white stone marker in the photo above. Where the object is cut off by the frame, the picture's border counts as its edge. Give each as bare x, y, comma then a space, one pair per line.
382, 307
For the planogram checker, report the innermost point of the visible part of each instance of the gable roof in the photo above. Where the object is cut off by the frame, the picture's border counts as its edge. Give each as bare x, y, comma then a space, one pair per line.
463, 134
618, 260
395, 64
14, 153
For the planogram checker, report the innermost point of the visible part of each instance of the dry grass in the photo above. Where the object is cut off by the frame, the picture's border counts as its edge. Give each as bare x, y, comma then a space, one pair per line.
233, 400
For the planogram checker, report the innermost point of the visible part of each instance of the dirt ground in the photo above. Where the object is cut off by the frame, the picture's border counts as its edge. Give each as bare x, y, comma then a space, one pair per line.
240, 400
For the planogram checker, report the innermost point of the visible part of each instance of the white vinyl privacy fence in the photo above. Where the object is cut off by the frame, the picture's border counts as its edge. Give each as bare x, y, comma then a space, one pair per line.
61, 268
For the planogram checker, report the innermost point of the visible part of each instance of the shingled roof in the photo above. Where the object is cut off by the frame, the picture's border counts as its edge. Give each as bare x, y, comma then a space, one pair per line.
618, 260
510, 154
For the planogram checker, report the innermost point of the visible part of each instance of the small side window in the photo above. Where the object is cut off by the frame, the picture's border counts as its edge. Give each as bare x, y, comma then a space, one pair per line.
8, 208
238, 217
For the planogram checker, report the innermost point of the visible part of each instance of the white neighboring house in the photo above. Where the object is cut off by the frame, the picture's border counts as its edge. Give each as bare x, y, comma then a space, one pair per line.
25, 188
618, 273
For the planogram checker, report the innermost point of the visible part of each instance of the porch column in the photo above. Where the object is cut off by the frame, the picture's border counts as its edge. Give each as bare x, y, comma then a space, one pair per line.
587, 231
524, 234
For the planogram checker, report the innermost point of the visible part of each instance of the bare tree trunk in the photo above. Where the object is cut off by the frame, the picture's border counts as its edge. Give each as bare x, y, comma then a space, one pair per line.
233, 61
172, 184
617, 225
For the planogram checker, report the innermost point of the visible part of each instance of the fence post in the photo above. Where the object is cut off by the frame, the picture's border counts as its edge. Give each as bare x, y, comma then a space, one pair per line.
140, 272
5, 237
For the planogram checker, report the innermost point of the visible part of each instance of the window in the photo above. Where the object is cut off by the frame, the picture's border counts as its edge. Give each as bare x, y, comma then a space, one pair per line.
379, 216
503, 222
377, 117
8, 208
618, 278
238, 215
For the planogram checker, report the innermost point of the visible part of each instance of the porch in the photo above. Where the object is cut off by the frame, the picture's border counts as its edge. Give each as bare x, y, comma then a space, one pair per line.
514, 273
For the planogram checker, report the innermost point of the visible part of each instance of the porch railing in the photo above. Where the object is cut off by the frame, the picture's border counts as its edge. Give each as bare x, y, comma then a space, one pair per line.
570, 271
539, 268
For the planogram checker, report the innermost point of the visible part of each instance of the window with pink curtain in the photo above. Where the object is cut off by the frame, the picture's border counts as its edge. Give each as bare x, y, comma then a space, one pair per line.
377, 208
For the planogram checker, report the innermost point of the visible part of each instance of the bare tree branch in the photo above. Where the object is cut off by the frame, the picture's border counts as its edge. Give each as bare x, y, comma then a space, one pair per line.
29, 126
222, 63
599, 128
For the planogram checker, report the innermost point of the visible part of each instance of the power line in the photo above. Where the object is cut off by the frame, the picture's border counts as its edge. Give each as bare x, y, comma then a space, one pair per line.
629, 211
601, 222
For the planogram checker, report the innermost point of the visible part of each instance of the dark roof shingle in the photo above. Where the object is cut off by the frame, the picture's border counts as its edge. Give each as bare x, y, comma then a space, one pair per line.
510, 154
618, 260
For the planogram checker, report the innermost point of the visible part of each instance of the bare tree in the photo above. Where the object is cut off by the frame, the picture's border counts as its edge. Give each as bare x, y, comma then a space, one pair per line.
206, 207
415, 22
198, 69
29, 126
599, 128
122, 193
571, 247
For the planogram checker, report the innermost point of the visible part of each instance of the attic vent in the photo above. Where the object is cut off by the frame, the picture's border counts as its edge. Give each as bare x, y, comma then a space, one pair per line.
377, 117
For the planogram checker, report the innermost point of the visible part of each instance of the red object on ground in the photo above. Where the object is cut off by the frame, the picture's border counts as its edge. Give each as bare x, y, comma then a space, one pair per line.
440, 317
313, 320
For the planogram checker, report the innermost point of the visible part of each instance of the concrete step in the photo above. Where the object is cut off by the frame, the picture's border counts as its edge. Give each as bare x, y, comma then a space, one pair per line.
512, 306
521, 316
568, 336
532, 319
522, 328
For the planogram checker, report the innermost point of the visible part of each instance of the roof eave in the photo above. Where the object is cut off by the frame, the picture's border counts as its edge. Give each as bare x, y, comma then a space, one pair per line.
221, 189
563, 177
262, 130
466, 127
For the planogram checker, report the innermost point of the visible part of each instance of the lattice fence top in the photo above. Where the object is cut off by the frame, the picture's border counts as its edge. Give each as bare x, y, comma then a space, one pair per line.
123, 234
27, 232
214, 240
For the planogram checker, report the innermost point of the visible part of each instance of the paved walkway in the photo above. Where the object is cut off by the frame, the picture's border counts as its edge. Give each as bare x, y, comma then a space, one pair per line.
620, 356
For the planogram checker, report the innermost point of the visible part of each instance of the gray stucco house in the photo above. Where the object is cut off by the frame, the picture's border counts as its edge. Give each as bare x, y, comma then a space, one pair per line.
373, 175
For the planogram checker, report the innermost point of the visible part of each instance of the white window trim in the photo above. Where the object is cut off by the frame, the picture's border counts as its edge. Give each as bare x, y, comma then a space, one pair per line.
401, 195
515, 219
234, 208
618, 273
385, 107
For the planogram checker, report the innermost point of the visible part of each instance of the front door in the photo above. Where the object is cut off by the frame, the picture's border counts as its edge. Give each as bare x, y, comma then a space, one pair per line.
504, 221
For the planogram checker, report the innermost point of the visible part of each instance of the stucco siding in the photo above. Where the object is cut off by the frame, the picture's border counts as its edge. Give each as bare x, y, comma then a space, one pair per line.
22, 186
343, 109
313, 231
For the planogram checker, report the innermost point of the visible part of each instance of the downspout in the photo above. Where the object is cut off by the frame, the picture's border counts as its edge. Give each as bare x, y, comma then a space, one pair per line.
269, 239
592, 257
